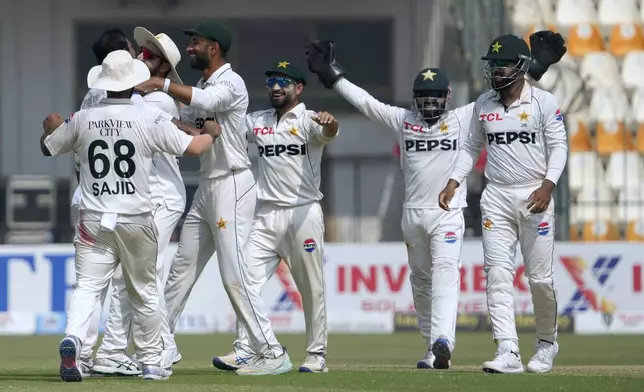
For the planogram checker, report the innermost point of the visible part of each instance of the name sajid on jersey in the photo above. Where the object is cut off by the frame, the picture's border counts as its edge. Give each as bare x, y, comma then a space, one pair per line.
122, 165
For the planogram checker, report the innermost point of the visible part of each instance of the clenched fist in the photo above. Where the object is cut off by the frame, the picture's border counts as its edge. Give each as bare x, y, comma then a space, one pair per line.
51, 122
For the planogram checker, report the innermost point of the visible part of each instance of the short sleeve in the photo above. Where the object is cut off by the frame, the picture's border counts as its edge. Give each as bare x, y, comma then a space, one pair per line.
63, 139
164, 136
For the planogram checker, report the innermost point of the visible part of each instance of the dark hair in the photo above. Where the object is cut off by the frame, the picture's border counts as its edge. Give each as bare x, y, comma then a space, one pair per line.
110, 40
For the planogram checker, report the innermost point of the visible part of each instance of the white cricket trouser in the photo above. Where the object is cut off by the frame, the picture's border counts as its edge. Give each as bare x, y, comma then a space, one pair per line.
117, 329
296, 235
219, 220
434, 240
133, 245
507, 220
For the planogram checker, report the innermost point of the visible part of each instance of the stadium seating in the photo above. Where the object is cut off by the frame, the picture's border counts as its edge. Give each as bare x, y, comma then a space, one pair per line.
625, 170
599, 85
527, 14
615, 12
635, 231
585, 170
600, 69
632, 67
584, 38
624, 38
601, 230
593, 204
630, 204
573, 12
579, 139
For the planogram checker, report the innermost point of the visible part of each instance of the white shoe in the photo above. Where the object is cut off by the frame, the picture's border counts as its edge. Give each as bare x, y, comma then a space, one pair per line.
507, 360
119, 365
427, 362
263, 366
70, 362
544, 357
155, 373
314, 363
170, 357
233, 360
86, 365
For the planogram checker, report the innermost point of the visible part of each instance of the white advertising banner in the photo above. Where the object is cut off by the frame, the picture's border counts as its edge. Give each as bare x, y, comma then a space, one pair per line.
366, 284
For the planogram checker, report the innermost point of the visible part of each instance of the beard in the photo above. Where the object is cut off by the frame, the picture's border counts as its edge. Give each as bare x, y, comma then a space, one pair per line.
200, 62
282, 102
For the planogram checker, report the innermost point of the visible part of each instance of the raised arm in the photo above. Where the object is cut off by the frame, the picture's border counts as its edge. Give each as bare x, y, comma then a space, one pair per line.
321, 61
387, 115
59, 136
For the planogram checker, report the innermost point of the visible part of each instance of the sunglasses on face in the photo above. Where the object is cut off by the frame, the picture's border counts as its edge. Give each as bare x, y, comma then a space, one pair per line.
281, 82
147, 54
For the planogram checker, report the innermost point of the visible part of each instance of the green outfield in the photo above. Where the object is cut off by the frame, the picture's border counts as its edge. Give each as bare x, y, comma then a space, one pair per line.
356, 362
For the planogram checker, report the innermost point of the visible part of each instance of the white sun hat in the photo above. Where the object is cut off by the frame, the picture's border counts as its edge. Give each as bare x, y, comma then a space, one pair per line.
119, 72
162, 45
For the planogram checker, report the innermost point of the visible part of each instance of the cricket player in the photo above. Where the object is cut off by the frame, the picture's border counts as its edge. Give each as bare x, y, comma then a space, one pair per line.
115, 141
222, 210
430, 137
109, 41
523, 130
288, 224
168, 193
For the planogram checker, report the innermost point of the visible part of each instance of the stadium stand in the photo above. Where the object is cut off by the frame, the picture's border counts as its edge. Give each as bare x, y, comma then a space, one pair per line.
600, 87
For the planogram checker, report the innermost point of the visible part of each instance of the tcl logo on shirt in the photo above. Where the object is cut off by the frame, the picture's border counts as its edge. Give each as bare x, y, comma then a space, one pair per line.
429, 145
275, 150
263, 131
414, 127
489, 117
509, 137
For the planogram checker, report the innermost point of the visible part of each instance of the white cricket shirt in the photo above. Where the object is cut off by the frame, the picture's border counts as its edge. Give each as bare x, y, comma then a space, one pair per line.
427, 153
166, 183
526, 143
290, 155
115, 141
223, 98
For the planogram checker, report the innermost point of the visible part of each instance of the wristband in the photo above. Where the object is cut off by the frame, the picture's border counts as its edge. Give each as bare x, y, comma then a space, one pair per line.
166, 85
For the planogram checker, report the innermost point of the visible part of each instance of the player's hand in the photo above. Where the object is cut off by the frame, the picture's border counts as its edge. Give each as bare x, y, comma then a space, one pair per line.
51, 122
539, 200
446, 195
211, 128
324, 118
150, 85
548, 47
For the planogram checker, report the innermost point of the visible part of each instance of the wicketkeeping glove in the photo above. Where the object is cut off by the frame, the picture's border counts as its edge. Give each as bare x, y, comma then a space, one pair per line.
321, 61
547, 48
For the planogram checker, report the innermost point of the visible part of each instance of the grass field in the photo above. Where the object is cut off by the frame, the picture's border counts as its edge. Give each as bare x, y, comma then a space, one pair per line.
356, 362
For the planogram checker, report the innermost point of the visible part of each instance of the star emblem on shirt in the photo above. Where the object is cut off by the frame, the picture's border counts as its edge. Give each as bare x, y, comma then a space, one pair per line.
487, 224
221, 223
293, 131
444, 128
496, 47
428, 75
523, 116
283, 64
